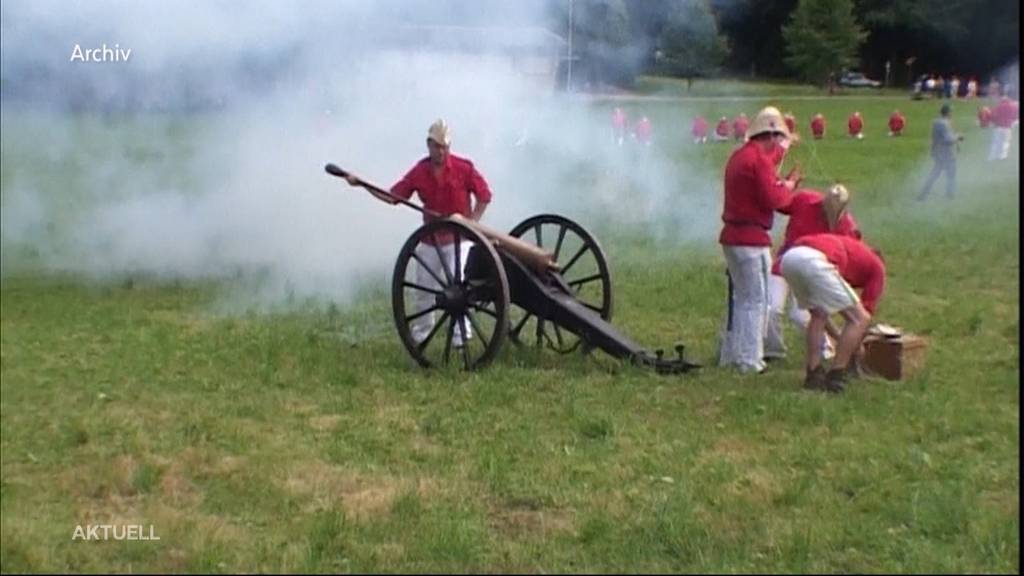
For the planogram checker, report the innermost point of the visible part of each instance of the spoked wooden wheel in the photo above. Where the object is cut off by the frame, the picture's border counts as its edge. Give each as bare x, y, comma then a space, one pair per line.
450, 296
584, 268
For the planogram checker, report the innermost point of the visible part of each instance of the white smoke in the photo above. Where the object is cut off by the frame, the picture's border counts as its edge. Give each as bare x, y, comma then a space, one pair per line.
238, 188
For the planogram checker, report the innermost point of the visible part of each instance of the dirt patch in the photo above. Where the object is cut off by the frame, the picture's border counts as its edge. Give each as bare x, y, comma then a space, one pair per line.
710, 408
176, 486
425, 446
324, 423
521, 521
730, 449
1003, 501
396, 416
369, 501
756, 485
101, 479
230, 464
111, 509
361, 496
187, 532
300, 407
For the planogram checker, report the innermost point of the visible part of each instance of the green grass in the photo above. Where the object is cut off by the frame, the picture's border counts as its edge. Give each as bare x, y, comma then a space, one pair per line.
756, 88
305, 440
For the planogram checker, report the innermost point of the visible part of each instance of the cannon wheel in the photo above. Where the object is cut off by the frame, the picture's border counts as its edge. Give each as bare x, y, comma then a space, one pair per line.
471, 306
584, 267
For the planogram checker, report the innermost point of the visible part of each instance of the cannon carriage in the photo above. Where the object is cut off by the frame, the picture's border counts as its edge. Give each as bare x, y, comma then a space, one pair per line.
460, 290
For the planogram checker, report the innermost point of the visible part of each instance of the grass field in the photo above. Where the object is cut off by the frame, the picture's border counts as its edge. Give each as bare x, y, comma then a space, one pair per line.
306, 440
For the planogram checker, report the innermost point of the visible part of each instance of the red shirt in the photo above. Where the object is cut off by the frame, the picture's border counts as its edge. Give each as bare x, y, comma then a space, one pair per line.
790, 123
896, 123
700, 127
818, 126
855, 125
856, 262
619, 119
722, 129
739, 127
1005, 113
643, 130
752, 194
449, 192
806, 218
984, 117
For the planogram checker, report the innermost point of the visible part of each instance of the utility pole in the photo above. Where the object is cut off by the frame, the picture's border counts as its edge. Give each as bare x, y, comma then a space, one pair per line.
568, 79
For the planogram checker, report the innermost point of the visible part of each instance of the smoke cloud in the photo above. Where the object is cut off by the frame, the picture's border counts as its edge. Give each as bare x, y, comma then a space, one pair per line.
201, 155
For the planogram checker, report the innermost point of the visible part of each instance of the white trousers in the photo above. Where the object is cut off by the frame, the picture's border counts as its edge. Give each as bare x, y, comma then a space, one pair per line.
741, 341
422, 326
816, 282
1000, 147
780, 298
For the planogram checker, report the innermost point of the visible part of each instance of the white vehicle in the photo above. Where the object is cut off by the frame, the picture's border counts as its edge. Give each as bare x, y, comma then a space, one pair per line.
858, 80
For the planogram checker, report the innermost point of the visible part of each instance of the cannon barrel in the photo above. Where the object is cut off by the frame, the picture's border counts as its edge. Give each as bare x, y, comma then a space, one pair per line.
538, 259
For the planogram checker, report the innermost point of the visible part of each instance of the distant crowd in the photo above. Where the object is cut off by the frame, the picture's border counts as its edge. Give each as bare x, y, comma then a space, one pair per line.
937, 86
1002, 115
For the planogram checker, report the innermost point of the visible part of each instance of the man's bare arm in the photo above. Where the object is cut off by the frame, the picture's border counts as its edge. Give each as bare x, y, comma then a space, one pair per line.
478, 211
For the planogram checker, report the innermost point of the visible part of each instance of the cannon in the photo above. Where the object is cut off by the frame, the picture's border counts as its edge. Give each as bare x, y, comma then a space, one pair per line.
460, 290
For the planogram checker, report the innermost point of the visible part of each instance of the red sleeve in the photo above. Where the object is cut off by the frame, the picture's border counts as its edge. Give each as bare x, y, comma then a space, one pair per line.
479, 186
774, 194
795, 201
873, 289
407, 185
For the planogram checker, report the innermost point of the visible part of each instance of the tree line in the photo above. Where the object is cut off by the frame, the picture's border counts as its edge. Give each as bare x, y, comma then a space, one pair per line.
807, 40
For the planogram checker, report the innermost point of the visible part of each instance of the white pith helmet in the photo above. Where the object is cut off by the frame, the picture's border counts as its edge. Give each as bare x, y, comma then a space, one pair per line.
440, 133
768, 119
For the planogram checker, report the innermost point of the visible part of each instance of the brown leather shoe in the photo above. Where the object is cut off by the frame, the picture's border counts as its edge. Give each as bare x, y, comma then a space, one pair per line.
815, 379
835, 380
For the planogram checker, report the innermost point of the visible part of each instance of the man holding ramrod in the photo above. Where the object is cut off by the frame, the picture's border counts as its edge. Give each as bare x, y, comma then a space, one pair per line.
446, 185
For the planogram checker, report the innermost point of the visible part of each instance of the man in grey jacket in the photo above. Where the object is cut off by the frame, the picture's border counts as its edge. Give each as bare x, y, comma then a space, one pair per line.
944, 147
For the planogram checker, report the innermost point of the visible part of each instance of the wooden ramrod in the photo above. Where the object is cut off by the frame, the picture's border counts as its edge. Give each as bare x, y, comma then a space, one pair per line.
539, 260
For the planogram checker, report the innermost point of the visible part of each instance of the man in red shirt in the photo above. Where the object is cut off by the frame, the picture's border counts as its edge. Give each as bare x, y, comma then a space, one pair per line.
739, 127
823, 270
642, 131
984, 116
752, 195
810, 212
1004, 118
818, 126
790, 124
896, 123
446, 184
855, 126
722, 130
699, 130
